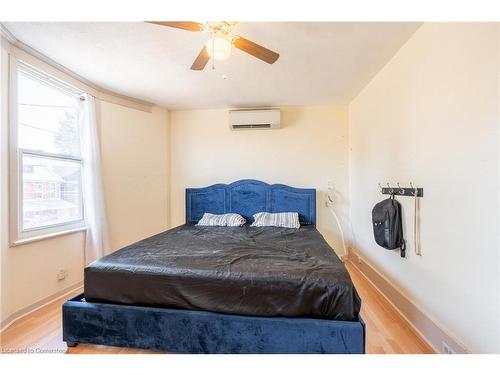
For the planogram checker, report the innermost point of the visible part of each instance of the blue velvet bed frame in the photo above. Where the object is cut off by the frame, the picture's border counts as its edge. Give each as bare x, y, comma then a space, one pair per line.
186, 331
247, 197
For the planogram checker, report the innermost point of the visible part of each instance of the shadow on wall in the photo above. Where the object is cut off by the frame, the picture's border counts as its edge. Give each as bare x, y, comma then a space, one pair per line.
291, 118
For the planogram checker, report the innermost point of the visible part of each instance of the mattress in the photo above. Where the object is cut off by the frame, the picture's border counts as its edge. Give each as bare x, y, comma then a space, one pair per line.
235, 270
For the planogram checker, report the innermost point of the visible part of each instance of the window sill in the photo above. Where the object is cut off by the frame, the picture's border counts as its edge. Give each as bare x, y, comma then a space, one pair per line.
46, 236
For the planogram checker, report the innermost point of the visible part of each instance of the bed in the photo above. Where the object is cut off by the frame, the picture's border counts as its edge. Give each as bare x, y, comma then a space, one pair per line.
243, 289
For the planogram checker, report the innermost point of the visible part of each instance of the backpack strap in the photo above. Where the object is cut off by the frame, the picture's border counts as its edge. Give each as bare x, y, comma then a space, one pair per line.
403, 249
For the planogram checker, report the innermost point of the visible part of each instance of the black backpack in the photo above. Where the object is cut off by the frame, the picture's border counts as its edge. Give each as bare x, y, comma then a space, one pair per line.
387, 225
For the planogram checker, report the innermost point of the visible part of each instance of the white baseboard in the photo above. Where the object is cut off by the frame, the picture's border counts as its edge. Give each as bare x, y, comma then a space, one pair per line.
423, 325
12, 318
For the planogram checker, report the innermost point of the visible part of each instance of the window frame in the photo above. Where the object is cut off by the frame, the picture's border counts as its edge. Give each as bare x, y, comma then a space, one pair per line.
18, 235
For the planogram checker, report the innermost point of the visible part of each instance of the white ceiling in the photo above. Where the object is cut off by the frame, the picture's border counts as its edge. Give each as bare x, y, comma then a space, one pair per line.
320, 62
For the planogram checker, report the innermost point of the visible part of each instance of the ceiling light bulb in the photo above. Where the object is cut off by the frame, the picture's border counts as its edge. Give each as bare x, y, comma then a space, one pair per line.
218, 48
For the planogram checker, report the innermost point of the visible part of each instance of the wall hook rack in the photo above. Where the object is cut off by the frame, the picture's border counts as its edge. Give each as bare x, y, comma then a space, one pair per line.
403, 191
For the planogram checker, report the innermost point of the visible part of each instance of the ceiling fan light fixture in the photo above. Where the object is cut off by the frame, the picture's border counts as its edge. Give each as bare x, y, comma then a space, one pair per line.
219, 48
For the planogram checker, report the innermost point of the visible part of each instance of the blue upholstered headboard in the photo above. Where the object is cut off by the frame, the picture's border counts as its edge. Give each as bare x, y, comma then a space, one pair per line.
247, 197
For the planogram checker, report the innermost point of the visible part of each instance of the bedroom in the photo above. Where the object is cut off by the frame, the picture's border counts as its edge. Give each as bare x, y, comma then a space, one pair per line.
113, 135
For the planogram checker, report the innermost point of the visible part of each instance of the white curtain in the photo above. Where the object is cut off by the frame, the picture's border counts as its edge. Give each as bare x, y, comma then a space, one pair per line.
96, 240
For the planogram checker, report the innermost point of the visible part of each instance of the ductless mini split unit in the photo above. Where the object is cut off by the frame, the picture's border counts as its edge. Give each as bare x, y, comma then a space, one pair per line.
241, 119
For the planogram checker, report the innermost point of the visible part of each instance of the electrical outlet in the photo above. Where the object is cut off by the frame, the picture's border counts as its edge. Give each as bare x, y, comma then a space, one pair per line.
330, 185
446, 349
61, 274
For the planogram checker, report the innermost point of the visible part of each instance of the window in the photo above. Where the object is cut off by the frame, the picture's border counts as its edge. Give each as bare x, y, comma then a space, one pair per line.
46, 155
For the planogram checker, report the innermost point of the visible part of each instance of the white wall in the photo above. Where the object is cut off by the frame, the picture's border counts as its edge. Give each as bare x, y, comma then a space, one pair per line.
431, 117
310, 149
135, 169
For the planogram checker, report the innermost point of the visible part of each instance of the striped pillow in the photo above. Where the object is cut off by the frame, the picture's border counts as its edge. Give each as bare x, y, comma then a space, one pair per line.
280, 219
225, 220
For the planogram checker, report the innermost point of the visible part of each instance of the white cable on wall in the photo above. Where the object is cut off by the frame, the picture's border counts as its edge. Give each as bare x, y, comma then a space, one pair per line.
329, 204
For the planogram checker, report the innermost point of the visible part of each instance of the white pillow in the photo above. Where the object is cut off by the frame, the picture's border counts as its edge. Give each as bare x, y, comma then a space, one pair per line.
225, 220
280, 219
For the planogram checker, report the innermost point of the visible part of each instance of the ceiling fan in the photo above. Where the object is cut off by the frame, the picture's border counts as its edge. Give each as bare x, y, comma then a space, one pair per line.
221, 41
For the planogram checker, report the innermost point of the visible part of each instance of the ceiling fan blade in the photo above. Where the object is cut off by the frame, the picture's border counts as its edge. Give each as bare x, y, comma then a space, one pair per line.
201, 60
256, 50
184, 25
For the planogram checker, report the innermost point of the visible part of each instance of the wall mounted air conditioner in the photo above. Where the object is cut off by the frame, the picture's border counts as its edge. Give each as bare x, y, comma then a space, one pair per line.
240, 119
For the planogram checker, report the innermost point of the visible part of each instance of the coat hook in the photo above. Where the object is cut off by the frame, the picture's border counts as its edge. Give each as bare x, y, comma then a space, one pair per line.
415, 190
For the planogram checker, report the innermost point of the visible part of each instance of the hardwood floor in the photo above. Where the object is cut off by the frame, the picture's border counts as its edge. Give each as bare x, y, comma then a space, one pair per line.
387, 331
